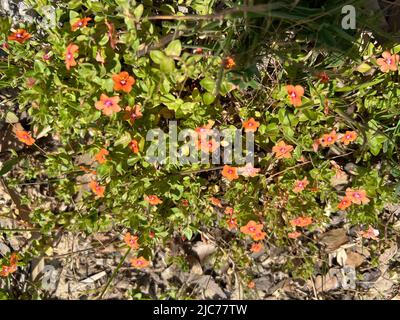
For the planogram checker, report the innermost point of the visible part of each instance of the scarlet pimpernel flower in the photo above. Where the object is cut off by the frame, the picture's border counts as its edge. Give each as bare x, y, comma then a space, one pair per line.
230, 173
108, 105
229, 63
97, 189
248, 170
152, 199
20, 35
69, 55
123, 81
251, 228
216, 202
133, 113
134, 146
6, 270
131, 241
139, 263
256, 247
282, 150
323, 77
294, 234
344, 203
250, 125
300, 185
388, 62
295, 93
81, 23
328, 139
348, 137
100, 156
371, 233
232, 223
357, 196
302, 221
25, 137
258, 235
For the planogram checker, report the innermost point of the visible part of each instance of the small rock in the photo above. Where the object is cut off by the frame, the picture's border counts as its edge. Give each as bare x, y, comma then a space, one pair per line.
334, 238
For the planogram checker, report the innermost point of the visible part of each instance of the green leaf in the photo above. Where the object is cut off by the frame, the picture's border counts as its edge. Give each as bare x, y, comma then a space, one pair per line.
363, 67
8, 165
174, 49
138, 12
124, 140
208, 84
208, 98
272, 129
167, 65
11, 117
188, 233
157, 56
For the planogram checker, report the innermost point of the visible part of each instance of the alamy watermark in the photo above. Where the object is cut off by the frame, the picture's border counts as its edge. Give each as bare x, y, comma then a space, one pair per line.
349, 20
201, 146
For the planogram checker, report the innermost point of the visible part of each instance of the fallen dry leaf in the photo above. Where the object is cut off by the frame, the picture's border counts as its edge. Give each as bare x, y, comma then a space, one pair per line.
354, 259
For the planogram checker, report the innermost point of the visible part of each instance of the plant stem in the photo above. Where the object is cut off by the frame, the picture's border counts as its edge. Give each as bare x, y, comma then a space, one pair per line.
114, 274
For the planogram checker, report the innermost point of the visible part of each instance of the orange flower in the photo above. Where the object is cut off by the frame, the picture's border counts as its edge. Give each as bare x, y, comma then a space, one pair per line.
282, 150
108, 105
185, 202
250, 125
256, 247
248, 170
230, 173
100, 156
328, 139
251, 228
259, 235
294, 235
301, 221
123, 81
348, 137
97, 189
228, 211
81, 23
87, 170
232, 223
295, 93
139, 263
133, 113
21, 35
69, 55
388, 62
24, 137
251, 285
300, 185
131, 241
134, 146
323, 77
216, 202
371, 233
12, 267
357, 196
229, 63
205, 130
153, 199
207, 146
345, 203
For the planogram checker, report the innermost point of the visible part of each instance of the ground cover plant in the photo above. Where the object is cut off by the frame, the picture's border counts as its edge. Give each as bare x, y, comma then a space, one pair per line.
314, 216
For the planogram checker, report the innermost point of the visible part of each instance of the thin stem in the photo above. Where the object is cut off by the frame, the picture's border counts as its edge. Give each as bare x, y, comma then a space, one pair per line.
114, 274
